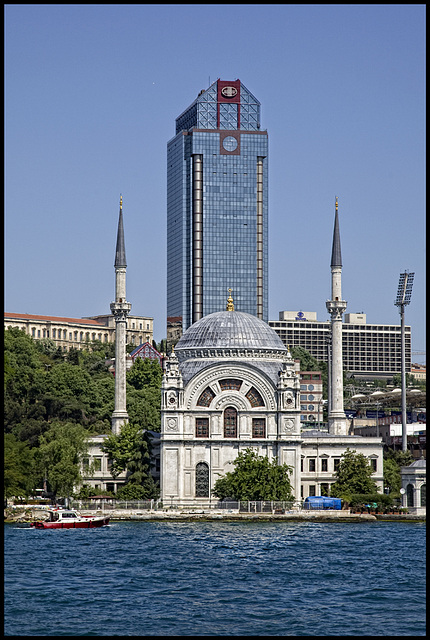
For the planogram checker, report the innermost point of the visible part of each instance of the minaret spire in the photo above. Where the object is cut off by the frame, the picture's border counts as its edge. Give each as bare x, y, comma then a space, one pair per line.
120, 309
120, 260
336, 307
336, 255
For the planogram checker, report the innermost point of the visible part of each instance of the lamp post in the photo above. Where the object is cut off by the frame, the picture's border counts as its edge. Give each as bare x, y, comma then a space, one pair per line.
404, 293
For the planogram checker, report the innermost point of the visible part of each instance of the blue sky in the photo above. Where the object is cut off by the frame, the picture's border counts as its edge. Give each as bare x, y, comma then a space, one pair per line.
91, 97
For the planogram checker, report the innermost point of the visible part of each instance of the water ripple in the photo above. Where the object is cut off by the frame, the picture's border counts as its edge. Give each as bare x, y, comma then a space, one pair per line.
285, 579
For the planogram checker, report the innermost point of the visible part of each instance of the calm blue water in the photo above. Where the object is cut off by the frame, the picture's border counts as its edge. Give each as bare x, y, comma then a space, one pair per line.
217, 579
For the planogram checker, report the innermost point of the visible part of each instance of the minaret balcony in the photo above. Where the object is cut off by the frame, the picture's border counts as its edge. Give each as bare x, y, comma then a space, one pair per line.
120, 309
336, 306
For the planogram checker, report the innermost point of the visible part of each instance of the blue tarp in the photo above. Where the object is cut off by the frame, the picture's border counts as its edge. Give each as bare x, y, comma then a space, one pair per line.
321, 502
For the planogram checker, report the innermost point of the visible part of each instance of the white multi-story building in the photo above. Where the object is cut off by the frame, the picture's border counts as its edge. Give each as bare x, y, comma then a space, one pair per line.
368, 350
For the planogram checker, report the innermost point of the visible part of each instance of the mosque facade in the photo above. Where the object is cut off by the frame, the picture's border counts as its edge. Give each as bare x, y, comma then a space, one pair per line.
231, 385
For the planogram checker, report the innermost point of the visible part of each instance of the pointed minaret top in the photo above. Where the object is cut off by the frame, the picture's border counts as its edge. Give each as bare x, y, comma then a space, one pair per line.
336, 255
120, 260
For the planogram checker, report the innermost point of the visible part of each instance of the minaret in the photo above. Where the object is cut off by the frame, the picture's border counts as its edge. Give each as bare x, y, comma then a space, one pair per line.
336, 307
120, 309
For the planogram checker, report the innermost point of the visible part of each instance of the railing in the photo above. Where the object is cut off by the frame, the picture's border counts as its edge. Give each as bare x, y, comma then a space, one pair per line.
106, 505
243, 506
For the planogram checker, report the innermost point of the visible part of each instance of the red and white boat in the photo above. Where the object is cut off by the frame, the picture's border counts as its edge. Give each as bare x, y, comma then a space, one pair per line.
70, 519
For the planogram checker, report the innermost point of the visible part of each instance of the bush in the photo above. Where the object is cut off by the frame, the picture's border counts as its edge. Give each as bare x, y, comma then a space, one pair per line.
131, 492
360, 499
86, 491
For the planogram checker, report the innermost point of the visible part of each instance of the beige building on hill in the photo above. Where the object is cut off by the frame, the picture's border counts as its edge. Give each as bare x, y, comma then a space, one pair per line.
75, 333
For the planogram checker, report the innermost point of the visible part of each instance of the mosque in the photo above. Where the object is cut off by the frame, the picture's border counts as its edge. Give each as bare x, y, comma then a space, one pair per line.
231, 384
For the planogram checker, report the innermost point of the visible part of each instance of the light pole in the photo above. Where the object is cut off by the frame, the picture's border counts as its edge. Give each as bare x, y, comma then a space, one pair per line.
404, 293
377, 423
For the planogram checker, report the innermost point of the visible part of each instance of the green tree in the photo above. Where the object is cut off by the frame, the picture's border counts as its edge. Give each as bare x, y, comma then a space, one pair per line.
60, 455
144, 407
144, 394
392, 477
130, 451
86, 491
20, 475
145, 373
353, 476
132, 492
393, 462
120, 447
24, 376
255, 478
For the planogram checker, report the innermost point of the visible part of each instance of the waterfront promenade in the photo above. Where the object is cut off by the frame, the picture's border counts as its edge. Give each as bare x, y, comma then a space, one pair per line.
28, 513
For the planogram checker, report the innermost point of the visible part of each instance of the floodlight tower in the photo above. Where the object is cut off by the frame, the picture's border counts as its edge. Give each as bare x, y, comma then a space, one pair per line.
404, 293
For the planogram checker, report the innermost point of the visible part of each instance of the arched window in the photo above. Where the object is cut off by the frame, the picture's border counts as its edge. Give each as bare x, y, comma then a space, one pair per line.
255, 398
230, 423
230, 383
423, 495
410, 495
206, 398
202, 480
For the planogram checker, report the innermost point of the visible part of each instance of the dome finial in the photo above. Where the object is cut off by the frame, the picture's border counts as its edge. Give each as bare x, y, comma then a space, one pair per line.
230, 305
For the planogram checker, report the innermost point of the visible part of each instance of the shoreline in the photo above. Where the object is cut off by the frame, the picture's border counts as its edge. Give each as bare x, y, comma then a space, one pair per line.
122, 515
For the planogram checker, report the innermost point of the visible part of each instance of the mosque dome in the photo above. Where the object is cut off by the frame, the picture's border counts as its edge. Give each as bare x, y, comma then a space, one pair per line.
231, 330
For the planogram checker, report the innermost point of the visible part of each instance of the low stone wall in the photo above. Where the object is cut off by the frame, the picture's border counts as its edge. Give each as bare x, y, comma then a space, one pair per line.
29, 514
182, 516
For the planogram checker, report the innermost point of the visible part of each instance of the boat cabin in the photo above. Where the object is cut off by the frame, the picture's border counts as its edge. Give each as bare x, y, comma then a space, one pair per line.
54, 516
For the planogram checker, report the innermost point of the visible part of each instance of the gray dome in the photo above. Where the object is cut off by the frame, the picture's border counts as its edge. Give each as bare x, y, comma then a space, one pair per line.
421, 463
231, 330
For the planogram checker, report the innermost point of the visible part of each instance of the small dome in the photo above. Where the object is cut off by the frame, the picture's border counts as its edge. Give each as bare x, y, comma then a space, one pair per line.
421, 463
231, 330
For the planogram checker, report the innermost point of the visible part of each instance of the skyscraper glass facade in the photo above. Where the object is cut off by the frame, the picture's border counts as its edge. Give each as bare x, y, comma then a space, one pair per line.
217, 207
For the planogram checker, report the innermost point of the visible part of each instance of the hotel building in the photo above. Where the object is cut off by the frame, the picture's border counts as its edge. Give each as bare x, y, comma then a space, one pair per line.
368, 350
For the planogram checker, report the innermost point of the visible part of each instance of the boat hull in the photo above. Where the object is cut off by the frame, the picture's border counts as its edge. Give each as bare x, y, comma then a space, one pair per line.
84, 523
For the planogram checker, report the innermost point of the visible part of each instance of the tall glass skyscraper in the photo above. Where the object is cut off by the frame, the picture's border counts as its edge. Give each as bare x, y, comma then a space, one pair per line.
217, 207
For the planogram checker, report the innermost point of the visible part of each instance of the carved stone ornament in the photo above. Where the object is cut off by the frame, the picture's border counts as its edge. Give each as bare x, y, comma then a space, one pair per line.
234, 400
171, 424
288, 425
289, 398
172, 400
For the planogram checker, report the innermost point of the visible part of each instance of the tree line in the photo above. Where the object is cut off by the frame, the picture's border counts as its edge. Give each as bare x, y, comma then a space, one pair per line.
54, 401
